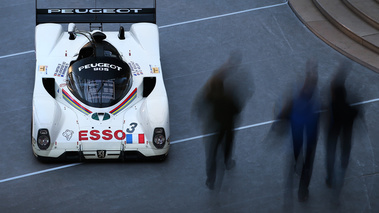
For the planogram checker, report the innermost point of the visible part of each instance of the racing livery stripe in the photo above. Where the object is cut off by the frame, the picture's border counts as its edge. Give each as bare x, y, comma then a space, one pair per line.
125, 103
74, 103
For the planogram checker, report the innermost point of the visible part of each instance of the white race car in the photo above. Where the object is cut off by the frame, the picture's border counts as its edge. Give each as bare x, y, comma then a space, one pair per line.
99, 94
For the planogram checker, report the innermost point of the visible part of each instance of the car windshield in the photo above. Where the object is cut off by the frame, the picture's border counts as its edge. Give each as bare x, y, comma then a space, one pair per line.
99, 81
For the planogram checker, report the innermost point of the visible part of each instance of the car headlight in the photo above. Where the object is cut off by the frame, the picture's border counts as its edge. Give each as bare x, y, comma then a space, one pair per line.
159, 138
43, 139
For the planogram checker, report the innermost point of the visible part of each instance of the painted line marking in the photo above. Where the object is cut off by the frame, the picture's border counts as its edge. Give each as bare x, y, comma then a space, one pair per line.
17, 54
263, 123
192, 138
173, 142
224, 15
365, 102
180, 23
236, 129
39, 172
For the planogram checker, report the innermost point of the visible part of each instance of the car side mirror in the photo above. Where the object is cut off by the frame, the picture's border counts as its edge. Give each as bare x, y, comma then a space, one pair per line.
121, 33
71, 31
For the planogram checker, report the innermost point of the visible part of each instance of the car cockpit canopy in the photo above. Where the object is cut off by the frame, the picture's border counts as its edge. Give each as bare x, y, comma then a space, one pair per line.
99, 77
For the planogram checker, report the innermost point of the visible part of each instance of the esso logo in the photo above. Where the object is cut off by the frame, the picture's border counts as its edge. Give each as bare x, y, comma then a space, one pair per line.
94, 135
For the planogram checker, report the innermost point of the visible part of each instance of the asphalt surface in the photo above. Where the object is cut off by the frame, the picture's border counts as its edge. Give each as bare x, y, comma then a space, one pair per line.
195, 39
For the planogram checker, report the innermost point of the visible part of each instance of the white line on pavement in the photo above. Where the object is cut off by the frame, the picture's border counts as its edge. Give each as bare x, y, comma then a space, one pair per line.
16, 54
236, 129
223, 15
39, 172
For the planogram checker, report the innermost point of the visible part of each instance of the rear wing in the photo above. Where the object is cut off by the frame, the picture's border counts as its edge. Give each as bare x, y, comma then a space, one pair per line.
96, 15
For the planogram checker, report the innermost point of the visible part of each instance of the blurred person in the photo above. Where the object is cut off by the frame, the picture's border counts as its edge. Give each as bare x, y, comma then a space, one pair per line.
218, 106
302, 113
341, 120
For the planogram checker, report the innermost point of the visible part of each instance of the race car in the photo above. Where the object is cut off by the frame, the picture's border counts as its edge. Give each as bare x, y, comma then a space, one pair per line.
98, 94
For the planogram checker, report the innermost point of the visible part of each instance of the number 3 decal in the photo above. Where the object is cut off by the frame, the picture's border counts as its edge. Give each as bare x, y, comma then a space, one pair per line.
132, 128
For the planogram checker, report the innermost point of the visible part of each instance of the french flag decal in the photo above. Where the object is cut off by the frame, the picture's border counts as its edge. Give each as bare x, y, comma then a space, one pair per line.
140, 138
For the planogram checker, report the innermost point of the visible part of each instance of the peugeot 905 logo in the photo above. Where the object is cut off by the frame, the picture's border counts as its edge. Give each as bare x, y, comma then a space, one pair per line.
101, 153
100, 67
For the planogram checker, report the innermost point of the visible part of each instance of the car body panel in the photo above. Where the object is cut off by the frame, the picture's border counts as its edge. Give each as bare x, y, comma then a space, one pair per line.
109, 131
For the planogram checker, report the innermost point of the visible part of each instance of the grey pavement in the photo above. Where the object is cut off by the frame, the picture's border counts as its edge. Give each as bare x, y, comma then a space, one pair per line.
275, 46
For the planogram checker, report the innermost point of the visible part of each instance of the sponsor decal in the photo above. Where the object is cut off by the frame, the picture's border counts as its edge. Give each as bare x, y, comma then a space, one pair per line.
125, 103
74, 103
107, 135
135, 68
68, 134
95, 11
154, 70
42, 68
61, 69
100, 67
